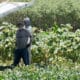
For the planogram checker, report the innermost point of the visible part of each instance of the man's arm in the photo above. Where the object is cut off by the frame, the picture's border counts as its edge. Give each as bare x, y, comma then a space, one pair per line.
29, 42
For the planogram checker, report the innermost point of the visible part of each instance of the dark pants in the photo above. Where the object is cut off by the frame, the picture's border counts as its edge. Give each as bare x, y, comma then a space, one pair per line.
21, 53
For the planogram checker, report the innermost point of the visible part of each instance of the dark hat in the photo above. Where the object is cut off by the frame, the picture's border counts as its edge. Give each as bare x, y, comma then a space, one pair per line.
20, 24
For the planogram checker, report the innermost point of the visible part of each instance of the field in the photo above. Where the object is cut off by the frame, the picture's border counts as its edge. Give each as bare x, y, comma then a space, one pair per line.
55, 54
56, 42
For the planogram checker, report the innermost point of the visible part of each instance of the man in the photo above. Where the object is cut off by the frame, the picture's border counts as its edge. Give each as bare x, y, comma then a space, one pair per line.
28, 27
23, 41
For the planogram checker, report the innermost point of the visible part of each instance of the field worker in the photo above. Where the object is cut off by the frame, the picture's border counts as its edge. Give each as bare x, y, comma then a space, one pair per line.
23, 41
28, 27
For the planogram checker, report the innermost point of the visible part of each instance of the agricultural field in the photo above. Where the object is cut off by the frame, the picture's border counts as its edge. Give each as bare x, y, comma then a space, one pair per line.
55, 54
56, 42
33, 72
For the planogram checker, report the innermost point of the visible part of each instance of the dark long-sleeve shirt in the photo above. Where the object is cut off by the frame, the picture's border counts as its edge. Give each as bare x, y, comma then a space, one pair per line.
23, 38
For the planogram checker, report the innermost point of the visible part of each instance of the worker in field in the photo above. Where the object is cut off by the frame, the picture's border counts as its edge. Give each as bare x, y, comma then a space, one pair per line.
23, 42
27, 23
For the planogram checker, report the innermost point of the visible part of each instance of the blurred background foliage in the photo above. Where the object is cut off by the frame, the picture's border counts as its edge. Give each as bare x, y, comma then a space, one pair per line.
45, 13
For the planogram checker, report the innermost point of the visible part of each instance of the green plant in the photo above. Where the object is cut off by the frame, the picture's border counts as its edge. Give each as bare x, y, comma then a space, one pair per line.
50, 72
58, 42
7, 40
